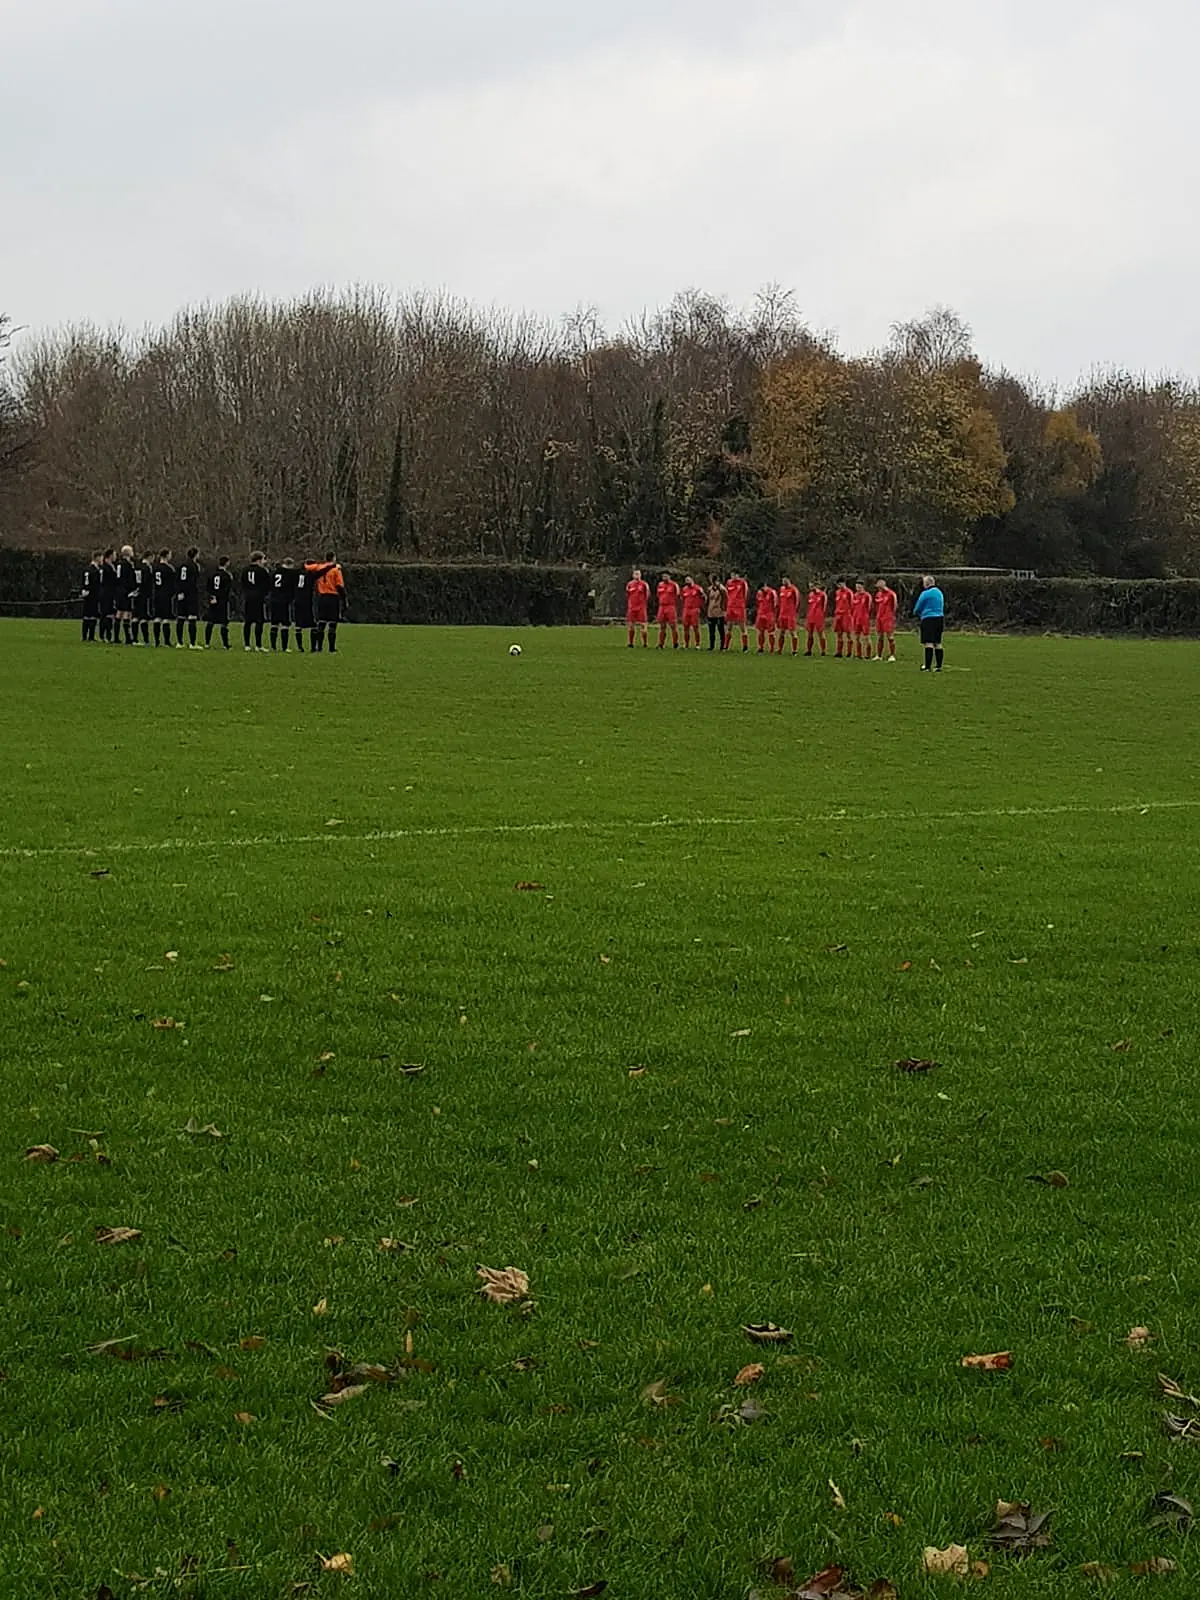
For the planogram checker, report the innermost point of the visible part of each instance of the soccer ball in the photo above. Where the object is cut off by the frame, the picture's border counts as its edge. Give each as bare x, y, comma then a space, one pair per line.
514, 649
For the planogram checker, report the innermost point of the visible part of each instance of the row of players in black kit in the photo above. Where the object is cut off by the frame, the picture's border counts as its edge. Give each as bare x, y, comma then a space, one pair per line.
125, 597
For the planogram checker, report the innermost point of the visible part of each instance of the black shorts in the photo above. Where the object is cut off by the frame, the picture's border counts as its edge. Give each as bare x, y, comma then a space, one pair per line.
931, 630
141, 606
164, 608
304, 615
281, 613
329, 608
187, 606
91, 607
218, 613
254, 610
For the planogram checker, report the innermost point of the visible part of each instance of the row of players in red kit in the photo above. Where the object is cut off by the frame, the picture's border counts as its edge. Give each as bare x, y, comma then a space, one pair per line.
724, 606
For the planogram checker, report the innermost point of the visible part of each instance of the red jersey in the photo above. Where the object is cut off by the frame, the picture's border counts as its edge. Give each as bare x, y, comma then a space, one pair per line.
693, 599
843, 602
668, 597
885, 610
860, 611
637, 598
737, 591
766, 604
817, 601
789, 604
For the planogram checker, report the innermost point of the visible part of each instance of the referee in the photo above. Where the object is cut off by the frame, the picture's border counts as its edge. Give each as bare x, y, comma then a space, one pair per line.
930, 612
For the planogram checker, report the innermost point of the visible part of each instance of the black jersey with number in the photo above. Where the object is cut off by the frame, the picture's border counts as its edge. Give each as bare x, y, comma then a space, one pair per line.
283, 588
220, 588
143, 586
124, 582
108, 586
91, 589
303, 595
188, 582
164, 586
256, 583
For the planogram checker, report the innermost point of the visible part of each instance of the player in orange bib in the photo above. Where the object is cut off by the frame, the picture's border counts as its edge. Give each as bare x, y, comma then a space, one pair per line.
637, 601
843, 622
789, 609
814, 618
668, 612
737, 592
860, 613
885, 620
693, 601
766, 609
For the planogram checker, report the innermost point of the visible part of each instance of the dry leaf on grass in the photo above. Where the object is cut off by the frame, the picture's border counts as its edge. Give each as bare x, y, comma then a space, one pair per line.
750, 1374
766, 1333
342, 1563
1171, 1388
1019, 1529
1156, 1567
1171, 1512
117, 1235
839, 1499
998, 1361
163, 1024
953, 1561
831, 1583
208, 1131
530, 885
41, 1152
1138, 1338
1187, 1428
503, 1286
321, 1309
253, 1341
916, 1064
244, 1417
1053, 1180
1098, 1572
589, 1591
655, 1394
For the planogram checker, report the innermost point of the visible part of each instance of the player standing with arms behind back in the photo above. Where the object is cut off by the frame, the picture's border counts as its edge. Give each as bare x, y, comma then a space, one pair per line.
220, 593
737, 592
843, 621
637, 604
187, 599
283, 590
885, 620
256, 582
163, 584
930, 612
860, 616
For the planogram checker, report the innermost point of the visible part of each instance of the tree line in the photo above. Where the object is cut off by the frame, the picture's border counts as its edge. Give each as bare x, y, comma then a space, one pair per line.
425, 429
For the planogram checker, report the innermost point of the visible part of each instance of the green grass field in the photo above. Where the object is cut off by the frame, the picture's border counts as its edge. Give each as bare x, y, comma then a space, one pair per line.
662, 1084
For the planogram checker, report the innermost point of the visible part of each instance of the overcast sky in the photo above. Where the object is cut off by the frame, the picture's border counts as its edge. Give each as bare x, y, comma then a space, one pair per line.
1032, 163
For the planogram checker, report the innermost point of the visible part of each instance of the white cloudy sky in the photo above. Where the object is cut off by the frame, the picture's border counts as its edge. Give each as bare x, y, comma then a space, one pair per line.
1033, 163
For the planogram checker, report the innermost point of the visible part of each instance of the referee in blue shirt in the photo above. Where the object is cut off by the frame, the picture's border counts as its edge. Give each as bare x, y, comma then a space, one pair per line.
930, 612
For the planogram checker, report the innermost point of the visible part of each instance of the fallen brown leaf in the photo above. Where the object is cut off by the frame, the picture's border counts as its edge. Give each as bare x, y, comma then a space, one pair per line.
1123, 1044
321, 1309
244, 1417
1000, 1361
1019, 1529
916, 1064
1171, 1512
953, 1560
1156, 1567
1138, 1338
392, 1246
750, 1374
1171, 1388
208, 1131
1187, 1428
590, 1591
41, 1152
117, 1235
501, 1575
655, 1394
529, 886
839, 1499
164, 1023
905, 966
341, 1396
1053, 1180
160, 1492
503, 1286
253, 1341
342, 1563
1098, 1572
766, 1333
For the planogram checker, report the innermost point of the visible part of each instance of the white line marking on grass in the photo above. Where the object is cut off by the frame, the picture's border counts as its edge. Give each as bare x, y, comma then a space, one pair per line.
502, 829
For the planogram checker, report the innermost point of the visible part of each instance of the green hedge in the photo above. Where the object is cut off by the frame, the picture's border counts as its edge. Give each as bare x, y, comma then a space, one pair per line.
46, 583
1146, 606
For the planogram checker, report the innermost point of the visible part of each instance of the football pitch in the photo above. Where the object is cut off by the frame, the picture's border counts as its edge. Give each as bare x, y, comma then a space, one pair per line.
337, 979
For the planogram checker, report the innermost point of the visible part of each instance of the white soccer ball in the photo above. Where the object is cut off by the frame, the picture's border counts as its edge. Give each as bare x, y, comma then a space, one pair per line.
514, 649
